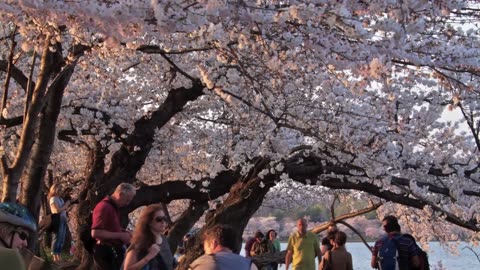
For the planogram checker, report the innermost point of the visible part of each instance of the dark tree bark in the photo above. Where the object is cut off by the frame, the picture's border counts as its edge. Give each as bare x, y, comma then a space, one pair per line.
244, 199
14, 172
88, 198
127, 161
32, 178
318, 171
176, 190
185, 222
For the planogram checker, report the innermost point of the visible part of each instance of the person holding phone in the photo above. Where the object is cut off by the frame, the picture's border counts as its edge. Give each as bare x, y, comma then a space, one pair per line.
58, 206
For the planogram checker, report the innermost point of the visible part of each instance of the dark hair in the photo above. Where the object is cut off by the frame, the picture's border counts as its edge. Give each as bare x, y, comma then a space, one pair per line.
143, 236
259, 235
269, 231
332, 227
340, 238
225, 235
392, 224
331, 235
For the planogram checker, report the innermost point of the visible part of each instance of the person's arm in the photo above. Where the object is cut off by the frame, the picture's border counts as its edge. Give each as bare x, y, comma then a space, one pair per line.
288, 259
415, 261
373, 262
413, 251
323, 249
324, 245
108, 235
322, 261
132, 262
54, 206
316, 246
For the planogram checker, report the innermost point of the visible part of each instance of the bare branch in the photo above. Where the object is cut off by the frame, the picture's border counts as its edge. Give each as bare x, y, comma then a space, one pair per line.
9, 70
28, 96
356, 232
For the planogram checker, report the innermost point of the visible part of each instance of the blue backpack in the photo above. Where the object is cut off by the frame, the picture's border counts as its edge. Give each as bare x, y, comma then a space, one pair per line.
388, 255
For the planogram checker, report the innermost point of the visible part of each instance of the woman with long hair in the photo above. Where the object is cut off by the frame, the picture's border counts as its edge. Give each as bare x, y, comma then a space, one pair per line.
274, 245
149, 248
58, 206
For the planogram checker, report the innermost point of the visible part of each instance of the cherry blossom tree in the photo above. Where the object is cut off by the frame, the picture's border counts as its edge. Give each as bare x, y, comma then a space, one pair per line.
284, 100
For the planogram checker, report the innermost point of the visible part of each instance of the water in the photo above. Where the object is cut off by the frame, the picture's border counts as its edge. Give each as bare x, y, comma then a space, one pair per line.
437, 255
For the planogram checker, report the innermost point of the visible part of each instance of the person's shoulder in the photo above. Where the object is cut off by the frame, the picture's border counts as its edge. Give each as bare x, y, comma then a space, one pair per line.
380, 241
293, 236
204, 262
11, 259
103, 204
225, 258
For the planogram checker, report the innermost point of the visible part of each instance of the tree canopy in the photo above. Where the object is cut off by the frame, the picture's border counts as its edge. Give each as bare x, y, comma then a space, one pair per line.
191, 99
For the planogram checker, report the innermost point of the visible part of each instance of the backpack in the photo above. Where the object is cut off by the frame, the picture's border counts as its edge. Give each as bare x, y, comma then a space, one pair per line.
49, 223
259, 248
424, 264
85, 235
422, 255
388, 255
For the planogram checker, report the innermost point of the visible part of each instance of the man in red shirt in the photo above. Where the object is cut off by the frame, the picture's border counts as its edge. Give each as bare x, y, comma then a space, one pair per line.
109, 249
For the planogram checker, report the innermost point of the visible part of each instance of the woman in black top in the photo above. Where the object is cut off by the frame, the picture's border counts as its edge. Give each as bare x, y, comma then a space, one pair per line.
149, 248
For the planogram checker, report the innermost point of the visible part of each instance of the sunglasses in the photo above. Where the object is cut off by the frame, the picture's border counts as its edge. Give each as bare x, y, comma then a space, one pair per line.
161, 219
22, 235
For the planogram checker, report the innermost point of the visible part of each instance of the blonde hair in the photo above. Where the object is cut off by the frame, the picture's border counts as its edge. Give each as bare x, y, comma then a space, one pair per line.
53, 191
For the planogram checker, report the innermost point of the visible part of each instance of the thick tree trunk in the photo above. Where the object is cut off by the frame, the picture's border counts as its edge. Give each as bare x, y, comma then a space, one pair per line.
87, 200
244, 199
185, 222
42, 149
47, 67
126, 162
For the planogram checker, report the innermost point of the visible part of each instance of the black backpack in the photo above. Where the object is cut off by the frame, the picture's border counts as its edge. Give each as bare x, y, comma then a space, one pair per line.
424, 264
85, 235
49, 223
422, 255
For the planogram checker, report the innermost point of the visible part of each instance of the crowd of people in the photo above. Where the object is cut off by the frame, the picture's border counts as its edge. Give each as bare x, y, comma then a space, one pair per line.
147, 248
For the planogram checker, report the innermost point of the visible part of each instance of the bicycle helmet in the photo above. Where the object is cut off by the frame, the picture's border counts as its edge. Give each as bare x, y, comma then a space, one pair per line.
17, 215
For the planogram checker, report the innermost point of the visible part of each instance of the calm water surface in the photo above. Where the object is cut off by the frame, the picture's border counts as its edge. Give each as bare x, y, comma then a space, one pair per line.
438, 256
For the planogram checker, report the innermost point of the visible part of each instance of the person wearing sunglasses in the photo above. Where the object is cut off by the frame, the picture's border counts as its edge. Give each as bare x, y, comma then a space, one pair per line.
16, 225
149, 248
